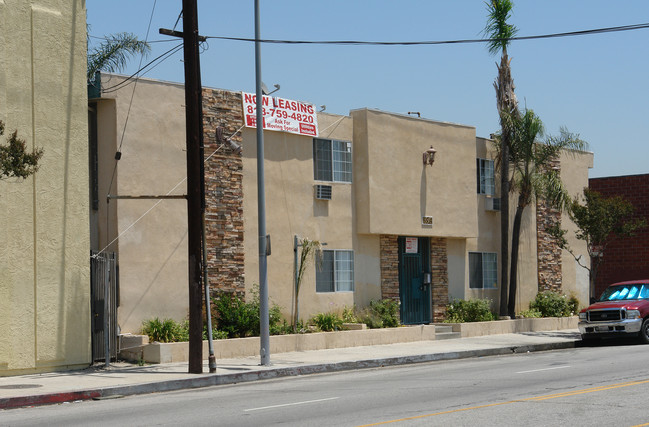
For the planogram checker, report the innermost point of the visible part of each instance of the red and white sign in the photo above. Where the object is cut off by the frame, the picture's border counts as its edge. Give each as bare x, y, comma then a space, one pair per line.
281, 114
411, 245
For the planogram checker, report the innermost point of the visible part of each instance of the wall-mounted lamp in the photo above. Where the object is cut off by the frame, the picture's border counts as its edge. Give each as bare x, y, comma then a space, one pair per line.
429, 156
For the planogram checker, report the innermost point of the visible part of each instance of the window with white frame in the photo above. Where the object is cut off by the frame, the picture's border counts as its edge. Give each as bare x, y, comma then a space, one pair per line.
335, 272
483, 270
486, 177
332, 160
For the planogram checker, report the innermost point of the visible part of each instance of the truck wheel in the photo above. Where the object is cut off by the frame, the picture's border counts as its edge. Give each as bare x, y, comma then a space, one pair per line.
644, 331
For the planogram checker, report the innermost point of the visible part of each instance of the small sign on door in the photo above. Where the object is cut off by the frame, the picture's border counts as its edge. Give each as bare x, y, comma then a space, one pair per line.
411, 245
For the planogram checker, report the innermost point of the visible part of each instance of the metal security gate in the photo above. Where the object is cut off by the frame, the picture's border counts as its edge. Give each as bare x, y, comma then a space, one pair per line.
104, 296
414, 285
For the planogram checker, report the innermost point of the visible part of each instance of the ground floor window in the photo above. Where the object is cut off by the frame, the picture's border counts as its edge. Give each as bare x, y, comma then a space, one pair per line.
335, 272
483, 270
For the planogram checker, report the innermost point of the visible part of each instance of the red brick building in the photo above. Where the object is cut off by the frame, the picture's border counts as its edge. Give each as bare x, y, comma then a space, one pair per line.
625, 259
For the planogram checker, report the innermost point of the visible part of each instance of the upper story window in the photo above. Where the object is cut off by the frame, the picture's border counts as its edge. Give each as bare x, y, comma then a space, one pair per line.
336, 271
486, 179
332, 160
483, 270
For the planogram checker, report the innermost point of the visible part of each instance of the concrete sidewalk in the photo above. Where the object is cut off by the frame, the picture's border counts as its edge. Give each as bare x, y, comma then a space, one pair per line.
123, 379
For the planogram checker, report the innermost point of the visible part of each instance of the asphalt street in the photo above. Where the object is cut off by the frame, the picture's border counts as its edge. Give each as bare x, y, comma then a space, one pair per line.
581, 386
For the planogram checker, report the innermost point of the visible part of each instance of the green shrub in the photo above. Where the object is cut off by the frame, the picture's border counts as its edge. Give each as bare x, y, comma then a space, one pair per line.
371, 319
238, 318
349, 315
216, 334
573, 304
553, 304
379, 314
387, 311
327, 322
473, 310
284, 328
531, 313
167, 330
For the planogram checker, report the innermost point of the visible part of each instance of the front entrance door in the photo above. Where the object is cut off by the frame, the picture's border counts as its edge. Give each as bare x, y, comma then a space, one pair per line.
414, 262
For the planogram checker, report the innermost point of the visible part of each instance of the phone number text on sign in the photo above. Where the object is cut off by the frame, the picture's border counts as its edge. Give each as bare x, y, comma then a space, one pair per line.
280, 114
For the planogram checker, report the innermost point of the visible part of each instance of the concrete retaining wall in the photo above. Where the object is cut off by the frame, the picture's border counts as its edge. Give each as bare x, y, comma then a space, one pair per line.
514, 326
243, 347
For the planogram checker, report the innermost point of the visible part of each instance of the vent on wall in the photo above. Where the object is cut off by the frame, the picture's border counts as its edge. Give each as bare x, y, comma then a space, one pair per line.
323, 192
492, 204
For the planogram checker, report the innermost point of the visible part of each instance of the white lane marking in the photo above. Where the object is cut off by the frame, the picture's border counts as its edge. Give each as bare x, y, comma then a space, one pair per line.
544, 369
290, 404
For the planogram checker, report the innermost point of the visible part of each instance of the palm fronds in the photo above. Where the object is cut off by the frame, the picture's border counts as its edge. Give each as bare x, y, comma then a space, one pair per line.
111, 55
497, 29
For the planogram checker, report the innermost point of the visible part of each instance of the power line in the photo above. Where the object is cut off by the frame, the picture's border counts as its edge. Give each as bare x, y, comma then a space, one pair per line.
177, 48
118, 154
438, 42
159, 58
414, 43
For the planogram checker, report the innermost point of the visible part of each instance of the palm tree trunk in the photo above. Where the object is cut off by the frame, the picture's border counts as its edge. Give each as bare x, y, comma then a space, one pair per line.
504, 224
516, 236
507, 104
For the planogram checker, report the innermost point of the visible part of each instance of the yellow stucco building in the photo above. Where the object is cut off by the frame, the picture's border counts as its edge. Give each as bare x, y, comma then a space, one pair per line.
395, 226
44, 264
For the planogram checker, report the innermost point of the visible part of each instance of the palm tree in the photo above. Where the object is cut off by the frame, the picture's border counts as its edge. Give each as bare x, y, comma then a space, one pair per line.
112, 53
309, 248
533, 174
499, 33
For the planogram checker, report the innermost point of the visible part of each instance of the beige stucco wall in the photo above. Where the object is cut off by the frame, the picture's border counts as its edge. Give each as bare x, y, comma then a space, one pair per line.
291, 210
152, 233
574, 174
44, 264
390, 192
388, 160
488, 223
103, 221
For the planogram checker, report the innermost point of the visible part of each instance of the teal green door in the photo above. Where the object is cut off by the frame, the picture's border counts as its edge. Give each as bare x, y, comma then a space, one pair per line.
414, 293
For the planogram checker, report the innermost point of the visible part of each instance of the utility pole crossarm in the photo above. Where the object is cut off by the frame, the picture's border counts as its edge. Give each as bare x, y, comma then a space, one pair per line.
178, 34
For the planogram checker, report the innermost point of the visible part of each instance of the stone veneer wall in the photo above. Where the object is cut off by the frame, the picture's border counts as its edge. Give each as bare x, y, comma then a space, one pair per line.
223, 191
389, 267
548, 251
439, 270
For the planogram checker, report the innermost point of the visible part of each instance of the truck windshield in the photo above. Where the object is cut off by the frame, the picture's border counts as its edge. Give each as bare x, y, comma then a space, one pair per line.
626, 292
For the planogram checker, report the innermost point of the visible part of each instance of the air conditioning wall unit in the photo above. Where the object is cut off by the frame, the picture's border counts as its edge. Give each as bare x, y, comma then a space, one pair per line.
322, 192
492, 204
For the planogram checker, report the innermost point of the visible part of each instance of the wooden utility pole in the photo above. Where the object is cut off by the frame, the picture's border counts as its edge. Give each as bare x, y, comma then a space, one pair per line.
195, 180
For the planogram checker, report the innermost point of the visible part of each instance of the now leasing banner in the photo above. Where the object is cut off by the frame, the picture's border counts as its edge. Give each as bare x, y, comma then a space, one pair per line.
281, 114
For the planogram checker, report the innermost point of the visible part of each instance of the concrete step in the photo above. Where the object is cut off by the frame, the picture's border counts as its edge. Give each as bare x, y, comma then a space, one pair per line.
446, 333
443, 328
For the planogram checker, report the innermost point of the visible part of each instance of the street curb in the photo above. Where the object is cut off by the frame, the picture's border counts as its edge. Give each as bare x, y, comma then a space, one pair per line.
266, 374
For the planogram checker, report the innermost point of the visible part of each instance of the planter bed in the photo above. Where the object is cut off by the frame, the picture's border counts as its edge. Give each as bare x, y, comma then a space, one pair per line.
156, 352
476, 329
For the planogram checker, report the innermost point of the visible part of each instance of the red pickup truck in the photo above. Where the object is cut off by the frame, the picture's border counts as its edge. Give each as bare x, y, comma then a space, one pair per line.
623, 309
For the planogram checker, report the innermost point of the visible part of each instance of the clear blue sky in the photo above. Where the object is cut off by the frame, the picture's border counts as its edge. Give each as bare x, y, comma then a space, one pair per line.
595, 85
